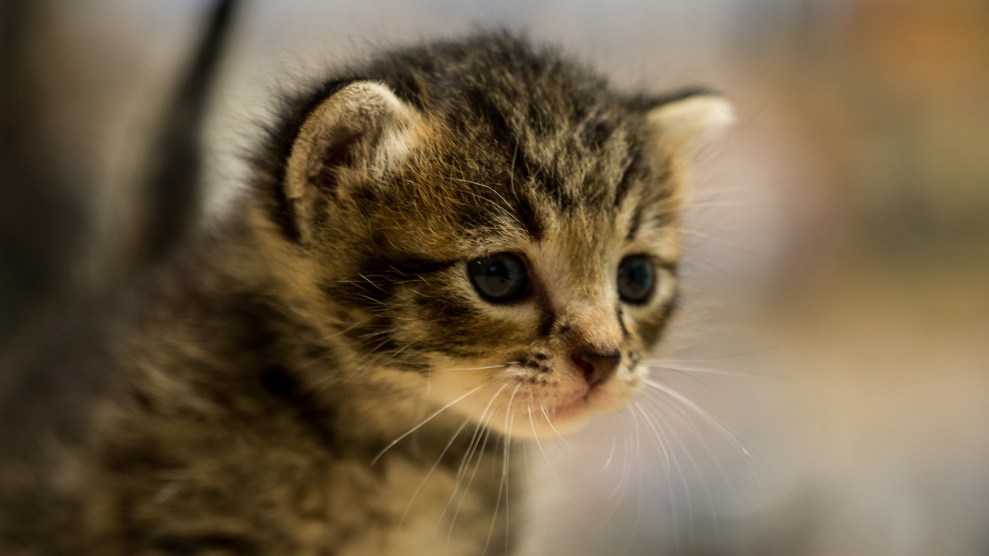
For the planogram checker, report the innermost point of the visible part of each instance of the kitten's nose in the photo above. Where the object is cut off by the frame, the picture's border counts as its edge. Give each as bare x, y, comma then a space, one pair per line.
597, 366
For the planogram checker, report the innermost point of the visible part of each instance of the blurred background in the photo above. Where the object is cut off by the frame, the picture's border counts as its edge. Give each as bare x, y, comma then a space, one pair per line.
827, 387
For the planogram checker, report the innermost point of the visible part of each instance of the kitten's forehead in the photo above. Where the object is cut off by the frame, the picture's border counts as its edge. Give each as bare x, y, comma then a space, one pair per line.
540, 181
569, 146
522, 141
495, 195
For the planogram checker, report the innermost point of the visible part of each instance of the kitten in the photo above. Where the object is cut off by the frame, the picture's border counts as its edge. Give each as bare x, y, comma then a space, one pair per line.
449, 249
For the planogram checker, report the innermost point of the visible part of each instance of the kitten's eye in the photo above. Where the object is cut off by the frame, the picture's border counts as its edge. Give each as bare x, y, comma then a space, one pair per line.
499, 278
636, 279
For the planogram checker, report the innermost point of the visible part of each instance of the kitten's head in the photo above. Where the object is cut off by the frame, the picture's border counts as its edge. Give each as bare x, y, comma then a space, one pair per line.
490, 226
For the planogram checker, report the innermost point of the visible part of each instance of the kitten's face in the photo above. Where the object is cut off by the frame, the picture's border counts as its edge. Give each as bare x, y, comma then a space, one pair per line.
581, 306
546, 287
515, 269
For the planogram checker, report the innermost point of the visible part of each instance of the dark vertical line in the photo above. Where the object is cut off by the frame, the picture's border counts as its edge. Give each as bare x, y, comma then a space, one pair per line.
42, 203
174, 183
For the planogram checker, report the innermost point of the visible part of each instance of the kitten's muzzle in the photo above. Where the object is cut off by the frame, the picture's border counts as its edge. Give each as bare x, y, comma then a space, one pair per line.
597, 367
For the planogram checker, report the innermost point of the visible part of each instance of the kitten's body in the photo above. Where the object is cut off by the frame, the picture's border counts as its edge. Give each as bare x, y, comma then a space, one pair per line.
254, 396
205, 440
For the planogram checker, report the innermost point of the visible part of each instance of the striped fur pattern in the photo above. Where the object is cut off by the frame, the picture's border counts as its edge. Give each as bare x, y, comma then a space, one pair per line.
320, 375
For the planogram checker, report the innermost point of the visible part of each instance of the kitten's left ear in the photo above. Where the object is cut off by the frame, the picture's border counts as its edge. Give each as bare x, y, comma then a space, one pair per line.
357, 133
690, 119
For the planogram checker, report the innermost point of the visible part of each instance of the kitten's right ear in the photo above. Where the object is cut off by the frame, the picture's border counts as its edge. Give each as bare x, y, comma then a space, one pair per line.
690, 119
353, 135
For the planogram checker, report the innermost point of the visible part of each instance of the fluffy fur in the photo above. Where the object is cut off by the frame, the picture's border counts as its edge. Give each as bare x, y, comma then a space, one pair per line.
318, 375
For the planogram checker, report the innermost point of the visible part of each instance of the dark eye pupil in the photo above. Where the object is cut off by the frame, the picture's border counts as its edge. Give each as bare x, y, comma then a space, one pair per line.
499, 277
636, 279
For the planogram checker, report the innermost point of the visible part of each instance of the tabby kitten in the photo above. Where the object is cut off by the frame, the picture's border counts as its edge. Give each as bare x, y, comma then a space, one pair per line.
448, 250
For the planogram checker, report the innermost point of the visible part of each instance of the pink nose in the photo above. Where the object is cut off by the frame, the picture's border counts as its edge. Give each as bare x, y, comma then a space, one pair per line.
596, 367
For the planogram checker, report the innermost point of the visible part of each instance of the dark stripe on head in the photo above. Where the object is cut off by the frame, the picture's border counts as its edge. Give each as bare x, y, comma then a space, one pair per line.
445, 312
521, 165
635, 224
503, 132
374, 336
373, 285
413, 265
527, 215
635, 167
555, 187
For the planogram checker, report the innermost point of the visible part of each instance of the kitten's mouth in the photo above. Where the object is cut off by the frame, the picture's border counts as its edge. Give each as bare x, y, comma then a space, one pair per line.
569, 409
526, 406
575, 408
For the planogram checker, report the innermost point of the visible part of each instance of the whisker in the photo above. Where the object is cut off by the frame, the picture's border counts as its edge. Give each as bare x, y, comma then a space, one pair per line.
557, 432
721, 271
736, 204
505, 208
711, 457
502, 366
703, 413
638, 504
611, 454
480, 431
539, 444
660, 445
473, 475
502, 485
727, 356
705, 371
432, 470
424, 421
658, 423
616, 493
697, 471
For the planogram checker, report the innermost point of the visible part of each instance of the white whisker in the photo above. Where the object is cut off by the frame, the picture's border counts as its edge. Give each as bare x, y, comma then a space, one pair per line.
703, 413
424, 421
660, 445
555, 431
480, 432
539, 444
617, 494
705, 371
432, 470
611, 454
505, 470
697, 470
502, 366
475, 439
473, 475
728, 356
638, 491
711, 457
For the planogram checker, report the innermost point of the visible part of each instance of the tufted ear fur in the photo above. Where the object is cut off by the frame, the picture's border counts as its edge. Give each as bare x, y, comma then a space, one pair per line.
354, 135
690, 120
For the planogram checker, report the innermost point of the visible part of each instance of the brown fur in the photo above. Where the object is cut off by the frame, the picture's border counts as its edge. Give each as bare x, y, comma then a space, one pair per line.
247, 399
